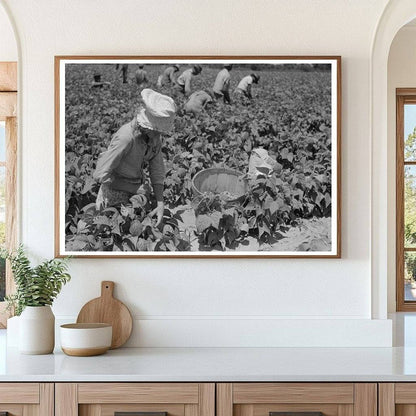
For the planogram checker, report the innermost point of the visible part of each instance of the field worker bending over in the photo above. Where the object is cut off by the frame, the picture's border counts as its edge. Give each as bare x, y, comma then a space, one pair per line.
244, 86
136, 144
198, 101
221, 86
168, 77
141, 76
183, 83
261, 163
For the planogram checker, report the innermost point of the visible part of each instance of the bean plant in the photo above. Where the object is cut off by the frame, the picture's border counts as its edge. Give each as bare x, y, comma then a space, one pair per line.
35, 285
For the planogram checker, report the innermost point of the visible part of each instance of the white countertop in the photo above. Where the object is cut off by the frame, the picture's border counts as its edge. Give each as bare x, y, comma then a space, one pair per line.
222, 364
213, 364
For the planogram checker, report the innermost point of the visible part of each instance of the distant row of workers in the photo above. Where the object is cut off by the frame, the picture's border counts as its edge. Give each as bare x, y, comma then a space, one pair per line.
182, 85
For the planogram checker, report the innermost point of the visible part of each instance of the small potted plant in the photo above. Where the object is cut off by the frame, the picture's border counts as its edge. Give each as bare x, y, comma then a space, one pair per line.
36, 289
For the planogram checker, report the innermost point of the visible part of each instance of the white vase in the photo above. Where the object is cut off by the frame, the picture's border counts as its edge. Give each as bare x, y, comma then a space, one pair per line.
37, 330
13, 331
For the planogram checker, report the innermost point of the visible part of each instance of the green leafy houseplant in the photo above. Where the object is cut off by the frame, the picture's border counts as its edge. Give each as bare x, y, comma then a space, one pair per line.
35, 286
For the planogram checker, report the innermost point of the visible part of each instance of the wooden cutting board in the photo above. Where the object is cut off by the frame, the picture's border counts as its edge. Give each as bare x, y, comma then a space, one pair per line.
107, 309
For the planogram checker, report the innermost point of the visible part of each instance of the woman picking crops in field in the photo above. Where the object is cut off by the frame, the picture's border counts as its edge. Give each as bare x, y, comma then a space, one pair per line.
198, 101
244, 86
169, 76
137, 143
221, 86
183, 83
141, 76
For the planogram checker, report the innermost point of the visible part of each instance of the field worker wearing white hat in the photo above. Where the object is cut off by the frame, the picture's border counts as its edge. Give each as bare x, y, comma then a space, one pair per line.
136, 144
183, 83
244, 86
197, 102
221, 86
168, 77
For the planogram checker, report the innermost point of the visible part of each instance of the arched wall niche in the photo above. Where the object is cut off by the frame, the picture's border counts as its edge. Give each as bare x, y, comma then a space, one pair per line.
396, 14
401, 73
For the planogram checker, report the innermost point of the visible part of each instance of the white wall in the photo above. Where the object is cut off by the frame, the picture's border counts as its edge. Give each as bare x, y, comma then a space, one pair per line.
183, 300
401, 74
8, 47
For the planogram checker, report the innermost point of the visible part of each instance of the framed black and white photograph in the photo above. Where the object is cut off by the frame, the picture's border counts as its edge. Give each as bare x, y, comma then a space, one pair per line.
198, 156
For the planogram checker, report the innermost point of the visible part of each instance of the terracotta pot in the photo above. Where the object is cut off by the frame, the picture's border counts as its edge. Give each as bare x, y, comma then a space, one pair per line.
37, 330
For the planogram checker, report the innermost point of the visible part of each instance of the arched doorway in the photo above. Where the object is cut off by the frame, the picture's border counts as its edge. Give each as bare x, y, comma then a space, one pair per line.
396, 14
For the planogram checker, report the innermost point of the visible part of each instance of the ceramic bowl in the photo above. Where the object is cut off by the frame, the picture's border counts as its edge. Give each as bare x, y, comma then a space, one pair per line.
84, 340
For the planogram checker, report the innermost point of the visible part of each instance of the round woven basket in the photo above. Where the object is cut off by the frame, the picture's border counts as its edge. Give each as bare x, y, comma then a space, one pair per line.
219, 180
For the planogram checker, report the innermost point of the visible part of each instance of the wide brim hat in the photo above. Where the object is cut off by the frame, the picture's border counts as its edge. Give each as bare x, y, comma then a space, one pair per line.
197, 69
158, 113
256, 78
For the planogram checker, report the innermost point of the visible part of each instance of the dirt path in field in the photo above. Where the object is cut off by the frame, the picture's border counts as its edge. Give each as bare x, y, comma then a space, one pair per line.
309, 235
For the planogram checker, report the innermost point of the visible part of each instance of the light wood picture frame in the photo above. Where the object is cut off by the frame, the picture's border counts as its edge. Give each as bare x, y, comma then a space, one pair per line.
251, 166
405, 301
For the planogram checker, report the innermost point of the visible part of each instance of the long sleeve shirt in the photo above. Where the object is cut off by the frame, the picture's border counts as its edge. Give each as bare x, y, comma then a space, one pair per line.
184, 80
197, 101
168, 76
245, 83
222, 82
121, 165
141, 76
244, 86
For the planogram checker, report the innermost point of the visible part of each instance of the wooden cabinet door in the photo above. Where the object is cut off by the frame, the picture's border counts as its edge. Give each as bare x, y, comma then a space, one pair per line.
27, 399
397, 399
297, 399
152, 399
